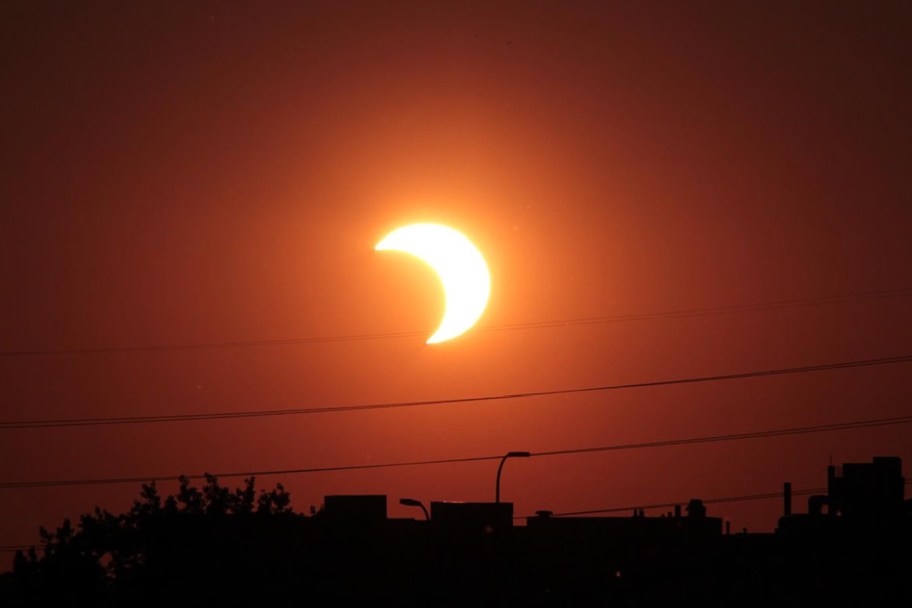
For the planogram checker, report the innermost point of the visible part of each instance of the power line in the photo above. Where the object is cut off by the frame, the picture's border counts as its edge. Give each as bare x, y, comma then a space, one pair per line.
805, 430
708, 311
820, 428
98, 421
265, 473
708, 501
668, 505
664, 505
572, 322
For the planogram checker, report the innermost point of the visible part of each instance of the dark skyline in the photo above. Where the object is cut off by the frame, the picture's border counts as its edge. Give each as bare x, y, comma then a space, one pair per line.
214, 174
215, 544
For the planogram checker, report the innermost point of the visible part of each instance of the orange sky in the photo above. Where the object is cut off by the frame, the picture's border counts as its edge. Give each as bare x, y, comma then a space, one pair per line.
211, 173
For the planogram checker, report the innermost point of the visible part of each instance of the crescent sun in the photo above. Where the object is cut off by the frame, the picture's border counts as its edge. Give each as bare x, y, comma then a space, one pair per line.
461, 268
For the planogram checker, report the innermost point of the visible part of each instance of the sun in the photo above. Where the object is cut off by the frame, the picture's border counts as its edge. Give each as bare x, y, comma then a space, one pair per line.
459, 264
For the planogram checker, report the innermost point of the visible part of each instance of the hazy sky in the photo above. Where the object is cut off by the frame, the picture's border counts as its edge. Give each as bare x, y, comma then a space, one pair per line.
182, 173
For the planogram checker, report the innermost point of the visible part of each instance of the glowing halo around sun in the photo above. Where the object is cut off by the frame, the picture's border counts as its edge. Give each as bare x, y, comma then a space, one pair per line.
461, 268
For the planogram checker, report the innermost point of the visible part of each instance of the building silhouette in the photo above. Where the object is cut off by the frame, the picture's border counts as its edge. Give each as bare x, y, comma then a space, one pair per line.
862, 497
850, 547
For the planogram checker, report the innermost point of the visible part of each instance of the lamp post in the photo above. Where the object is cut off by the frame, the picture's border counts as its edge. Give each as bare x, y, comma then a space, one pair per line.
500, 469
411, 502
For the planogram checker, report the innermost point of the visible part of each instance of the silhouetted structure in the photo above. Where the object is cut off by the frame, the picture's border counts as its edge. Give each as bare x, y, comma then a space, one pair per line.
863, 497
852, 544
481, 518
352, 509
873, 490
215, 546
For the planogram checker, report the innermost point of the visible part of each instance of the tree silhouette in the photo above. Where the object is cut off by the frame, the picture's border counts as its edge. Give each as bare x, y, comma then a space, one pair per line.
205, 534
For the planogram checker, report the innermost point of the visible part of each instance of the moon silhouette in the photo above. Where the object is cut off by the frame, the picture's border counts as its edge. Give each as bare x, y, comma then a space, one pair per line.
461, 268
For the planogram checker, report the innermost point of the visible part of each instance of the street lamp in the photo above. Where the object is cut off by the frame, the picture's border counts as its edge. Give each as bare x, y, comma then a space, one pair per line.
500, 469
411, 502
